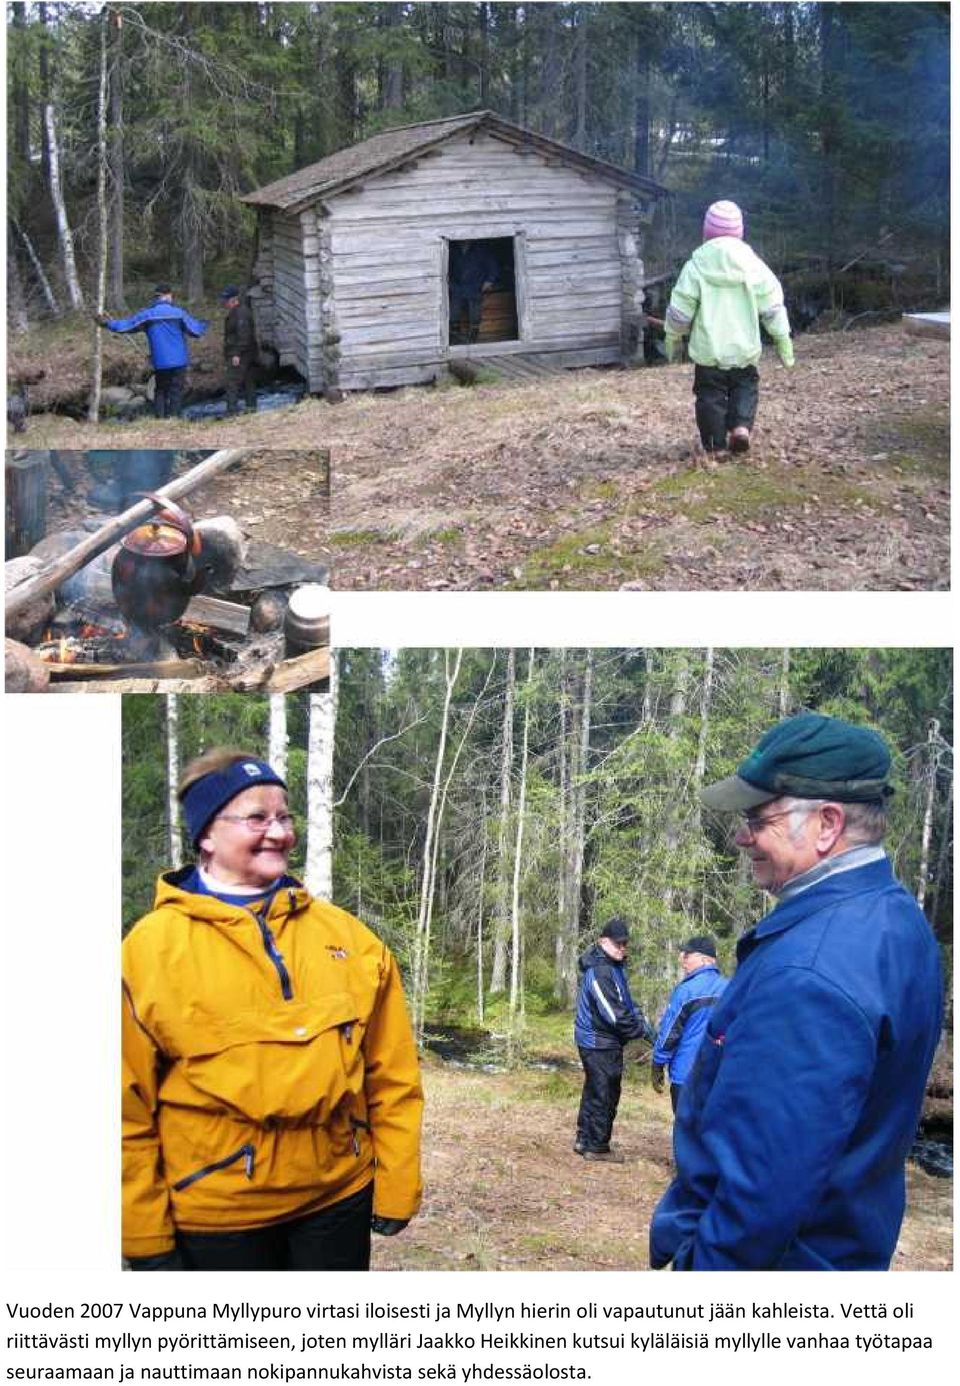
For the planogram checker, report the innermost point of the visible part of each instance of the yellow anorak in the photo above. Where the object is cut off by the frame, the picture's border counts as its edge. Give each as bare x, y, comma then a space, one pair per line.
269, 1068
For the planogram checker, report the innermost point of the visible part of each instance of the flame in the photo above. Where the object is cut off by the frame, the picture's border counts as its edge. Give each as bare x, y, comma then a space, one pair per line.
197, 645
64, 655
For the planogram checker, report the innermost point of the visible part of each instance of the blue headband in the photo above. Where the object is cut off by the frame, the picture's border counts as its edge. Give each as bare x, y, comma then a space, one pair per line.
208, 795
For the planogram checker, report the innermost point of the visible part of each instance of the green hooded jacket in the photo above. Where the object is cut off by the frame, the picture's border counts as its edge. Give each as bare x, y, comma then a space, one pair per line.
723, 294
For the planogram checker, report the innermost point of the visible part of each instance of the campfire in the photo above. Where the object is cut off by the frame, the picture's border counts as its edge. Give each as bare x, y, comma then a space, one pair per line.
154, 603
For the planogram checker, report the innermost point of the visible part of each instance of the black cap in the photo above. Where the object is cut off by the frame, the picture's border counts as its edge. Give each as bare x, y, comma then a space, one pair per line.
163, 289
231, 291
616, 930
808, 757
700, 943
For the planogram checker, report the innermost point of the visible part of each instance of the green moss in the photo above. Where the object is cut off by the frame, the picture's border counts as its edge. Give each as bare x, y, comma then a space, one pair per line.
442, 536
599, 490
351, 538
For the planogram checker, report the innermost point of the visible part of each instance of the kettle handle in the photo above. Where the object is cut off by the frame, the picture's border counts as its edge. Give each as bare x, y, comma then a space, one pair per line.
169, 510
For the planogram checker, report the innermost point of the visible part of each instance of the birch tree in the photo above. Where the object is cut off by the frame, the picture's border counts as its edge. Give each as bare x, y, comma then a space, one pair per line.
515, 953
97, 366
173, 776
318, 863
277, 734
932, 770
498, 971
428, 856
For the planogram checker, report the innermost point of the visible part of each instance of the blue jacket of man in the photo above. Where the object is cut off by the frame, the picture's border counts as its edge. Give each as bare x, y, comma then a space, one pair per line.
607, 1015
794, 1126
167, 326
685, 1019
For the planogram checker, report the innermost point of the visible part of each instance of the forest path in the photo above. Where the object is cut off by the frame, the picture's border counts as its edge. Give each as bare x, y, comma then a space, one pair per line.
504, 1190
594, 479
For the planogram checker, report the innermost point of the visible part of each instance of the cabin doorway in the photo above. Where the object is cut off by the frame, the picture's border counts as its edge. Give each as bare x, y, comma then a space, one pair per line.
482, 291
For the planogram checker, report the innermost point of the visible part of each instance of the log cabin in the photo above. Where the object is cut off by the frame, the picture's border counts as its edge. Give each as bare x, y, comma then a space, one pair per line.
355, 254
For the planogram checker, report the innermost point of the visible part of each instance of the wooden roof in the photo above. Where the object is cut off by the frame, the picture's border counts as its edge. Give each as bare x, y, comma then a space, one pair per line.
393, 148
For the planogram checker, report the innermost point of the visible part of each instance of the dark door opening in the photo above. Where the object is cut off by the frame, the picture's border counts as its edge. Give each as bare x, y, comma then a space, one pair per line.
481, 285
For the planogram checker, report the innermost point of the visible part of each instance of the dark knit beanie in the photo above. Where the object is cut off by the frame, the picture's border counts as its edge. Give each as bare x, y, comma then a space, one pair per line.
208, 795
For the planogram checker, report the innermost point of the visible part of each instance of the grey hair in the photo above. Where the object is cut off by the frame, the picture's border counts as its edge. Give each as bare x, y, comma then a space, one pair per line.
864, 823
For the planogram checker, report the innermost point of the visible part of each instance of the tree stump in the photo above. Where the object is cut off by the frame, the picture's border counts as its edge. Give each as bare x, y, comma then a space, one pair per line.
26, 503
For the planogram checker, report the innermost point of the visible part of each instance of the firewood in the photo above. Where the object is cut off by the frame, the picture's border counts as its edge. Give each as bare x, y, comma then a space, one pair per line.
231, 617
148, 668
24, 671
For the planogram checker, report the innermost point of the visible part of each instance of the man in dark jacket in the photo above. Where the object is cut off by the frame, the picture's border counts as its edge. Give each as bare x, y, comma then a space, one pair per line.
473, 268
795, 1124
167, 326
688, 1010
240, 350
607, 1017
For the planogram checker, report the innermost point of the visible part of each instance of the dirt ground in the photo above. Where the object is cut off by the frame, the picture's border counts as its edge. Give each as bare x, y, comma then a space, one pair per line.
594, 479
504, 1190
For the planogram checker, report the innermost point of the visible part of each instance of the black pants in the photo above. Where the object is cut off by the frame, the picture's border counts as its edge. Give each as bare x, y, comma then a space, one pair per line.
168, 394
337, 1238
242, 376
602, 1078
471, 302
725, 400
675, 1090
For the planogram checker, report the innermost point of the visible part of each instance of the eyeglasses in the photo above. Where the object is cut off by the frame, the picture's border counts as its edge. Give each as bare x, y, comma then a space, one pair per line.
261, 822
752, 823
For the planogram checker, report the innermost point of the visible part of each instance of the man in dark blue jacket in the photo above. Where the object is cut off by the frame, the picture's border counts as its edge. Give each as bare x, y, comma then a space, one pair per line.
688, 1010
167, 327
607, 1017
794, 1126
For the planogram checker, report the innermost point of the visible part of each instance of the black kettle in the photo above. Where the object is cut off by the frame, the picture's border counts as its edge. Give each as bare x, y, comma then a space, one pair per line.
155, 572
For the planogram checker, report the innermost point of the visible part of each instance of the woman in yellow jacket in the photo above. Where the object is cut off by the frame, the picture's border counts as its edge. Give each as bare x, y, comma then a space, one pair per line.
271, 1090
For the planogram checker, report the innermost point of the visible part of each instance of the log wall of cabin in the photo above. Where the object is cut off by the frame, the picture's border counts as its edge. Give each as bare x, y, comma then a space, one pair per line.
385, 294
287, 293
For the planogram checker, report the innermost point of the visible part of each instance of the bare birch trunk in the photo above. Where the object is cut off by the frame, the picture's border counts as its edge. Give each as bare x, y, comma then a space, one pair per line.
498, 970
678, 706
933, 767
173, 776
700, 767
578, 796
784, 701
483, 878
318, 867
422, 936
563, 829
45, 286
96, 370
518, 861
277, 734
117, 171
64, 234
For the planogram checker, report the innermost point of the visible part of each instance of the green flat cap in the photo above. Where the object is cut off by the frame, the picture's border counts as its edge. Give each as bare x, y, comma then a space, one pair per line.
808, 757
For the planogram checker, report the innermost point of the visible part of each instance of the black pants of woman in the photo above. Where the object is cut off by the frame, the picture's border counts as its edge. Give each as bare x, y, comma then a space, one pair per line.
336, 1238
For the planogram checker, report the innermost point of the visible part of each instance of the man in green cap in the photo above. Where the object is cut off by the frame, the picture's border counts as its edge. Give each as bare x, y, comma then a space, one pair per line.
794, 1126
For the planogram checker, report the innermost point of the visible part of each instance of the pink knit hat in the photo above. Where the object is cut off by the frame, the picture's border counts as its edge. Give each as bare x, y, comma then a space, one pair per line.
723, 219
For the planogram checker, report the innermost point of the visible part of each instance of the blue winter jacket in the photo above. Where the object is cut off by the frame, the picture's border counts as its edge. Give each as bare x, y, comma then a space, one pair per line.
794, 1126
167, 326
607, 1015
685, 1019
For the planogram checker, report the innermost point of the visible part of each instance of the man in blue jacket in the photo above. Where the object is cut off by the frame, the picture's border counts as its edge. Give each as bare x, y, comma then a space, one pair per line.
167, 326
607, 1018
687, 1013
794, 1126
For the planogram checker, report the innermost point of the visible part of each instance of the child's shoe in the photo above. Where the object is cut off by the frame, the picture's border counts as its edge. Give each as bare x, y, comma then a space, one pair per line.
740, 439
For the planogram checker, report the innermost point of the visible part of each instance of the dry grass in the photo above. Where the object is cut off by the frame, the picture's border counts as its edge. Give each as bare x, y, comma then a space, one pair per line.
504, 1190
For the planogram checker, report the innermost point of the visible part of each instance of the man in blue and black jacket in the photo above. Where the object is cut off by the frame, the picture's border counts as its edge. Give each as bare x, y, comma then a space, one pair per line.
607, 1018
167, 327
687, 1013
794, 1126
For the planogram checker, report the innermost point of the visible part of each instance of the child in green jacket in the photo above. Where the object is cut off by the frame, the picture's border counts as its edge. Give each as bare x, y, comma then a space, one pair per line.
723, 294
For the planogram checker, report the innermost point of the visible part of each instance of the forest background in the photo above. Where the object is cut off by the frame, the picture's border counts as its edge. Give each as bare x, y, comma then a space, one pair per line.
133, 129
489, 810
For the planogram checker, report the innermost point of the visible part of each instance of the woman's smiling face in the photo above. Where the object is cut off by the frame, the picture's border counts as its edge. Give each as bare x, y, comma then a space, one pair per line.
238, 852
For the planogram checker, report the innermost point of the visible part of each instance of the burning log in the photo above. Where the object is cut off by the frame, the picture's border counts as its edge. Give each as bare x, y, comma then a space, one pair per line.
49, 580
183, 669
212, 611
24, 672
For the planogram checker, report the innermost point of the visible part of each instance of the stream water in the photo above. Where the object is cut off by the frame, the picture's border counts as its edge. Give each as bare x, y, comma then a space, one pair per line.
272, 396
481, 1050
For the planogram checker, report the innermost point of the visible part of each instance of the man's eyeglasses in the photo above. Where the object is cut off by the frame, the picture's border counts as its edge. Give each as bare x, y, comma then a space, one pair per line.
261, 822
754, 823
